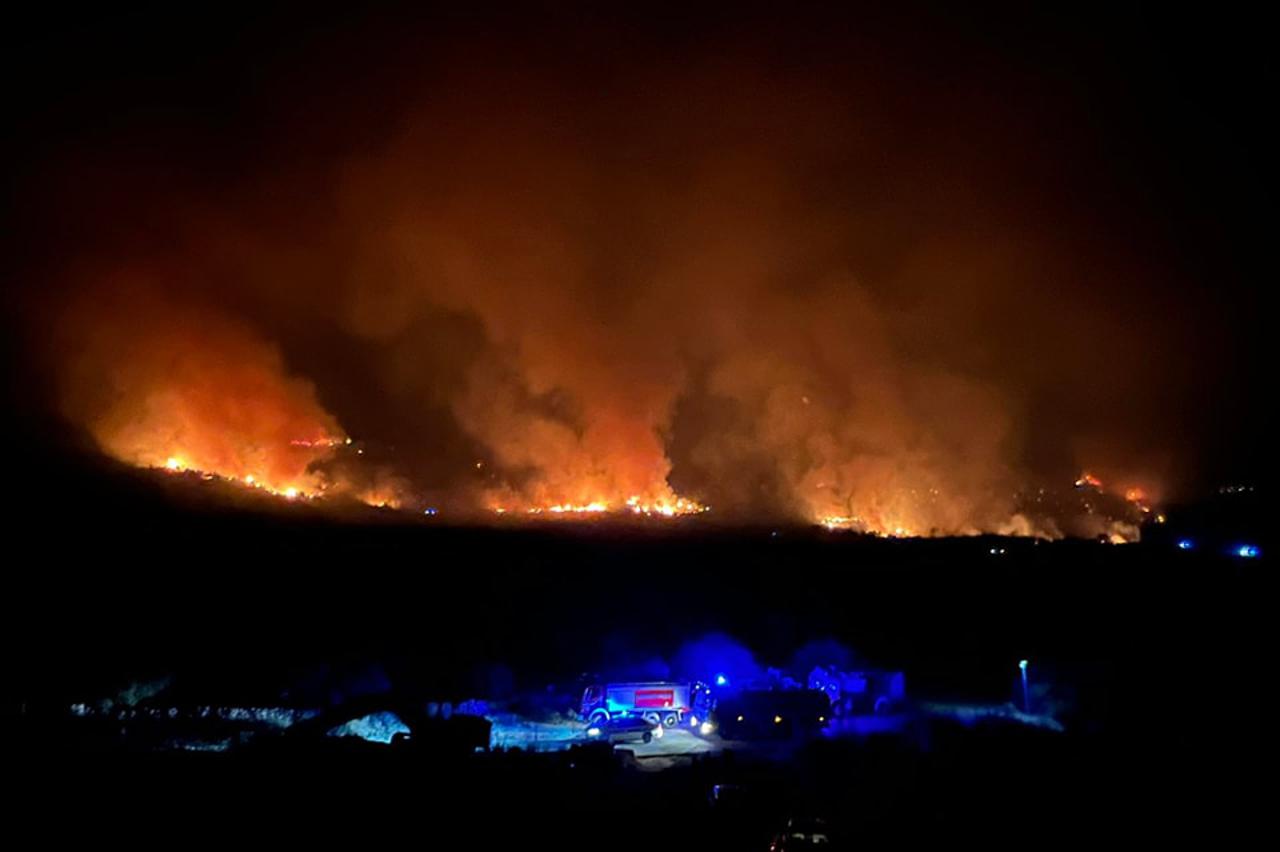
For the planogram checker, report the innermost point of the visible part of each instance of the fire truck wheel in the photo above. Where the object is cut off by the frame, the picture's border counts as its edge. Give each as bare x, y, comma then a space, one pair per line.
653, 718
671, 721
598, 718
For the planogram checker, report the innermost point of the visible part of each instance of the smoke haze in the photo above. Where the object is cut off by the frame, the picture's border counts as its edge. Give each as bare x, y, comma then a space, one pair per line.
803, 278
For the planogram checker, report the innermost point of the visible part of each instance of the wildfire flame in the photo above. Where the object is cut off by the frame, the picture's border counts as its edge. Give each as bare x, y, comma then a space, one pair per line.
634, 505
1138, 497
189, 390
177, 464
1088, 480
545, 336
195, 392
857, 524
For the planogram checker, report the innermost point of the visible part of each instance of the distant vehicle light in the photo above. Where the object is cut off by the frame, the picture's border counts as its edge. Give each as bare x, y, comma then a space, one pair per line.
1186, 544
1022, 664
693, 721
721, 680
739, 718
593, 732
777, 720
1248, 551
822, 718
707, 728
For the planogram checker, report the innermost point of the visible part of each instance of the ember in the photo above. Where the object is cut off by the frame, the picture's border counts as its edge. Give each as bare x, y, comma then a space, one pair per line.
1088, 480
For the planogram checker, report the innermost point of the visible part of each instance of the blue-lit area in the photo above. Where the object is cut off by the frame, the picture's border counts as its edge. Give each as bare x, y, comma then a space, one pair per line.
1186, 544
717, 660
1248, 551
378, 727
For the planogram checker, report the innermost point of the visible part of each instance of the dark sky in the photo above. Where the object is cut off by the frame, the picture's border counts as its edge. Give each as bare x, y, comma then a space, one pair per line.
756, 253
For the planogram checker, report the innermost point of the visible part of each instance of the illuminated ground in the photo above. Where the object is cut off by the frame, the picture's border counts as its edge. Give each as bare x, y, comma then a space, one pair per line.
510, 731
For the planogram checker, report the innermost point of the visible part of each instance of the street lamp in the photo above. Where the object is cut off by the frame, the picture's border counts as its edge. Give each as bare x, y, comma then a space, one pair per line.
1026, 700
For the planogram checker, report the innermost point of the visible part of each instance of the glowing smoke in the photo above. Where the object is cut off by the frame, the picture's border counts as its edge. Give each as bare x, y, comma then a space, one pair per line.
178, 387
708, 282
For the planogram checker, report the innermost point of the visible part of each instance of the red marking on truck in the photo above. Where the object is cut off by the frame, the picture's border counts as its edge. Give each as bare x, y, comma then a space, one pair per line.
655, 697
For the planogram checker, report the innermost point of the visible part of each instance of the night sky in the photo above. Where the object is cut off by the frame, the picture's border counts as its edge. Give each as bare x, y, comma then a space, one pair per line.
802, 262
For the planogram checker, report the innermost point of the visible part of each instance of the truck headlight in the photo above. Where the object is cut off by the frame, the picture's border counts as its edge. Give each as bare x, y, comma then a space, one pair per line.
707, 728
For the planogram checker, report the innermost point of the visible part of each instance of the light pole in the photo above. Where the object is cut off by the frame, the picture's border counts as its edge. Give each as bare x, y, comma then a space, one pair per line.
1026, 699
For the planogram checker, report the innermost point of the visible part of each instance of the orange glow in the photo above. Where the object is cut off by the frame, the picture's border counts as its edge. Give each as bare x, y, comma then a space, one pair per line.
1138, 497
520, 325
1088, 479
175, 464
185, 388
379, 498
856, 524
665, 507
193, 391
301, 483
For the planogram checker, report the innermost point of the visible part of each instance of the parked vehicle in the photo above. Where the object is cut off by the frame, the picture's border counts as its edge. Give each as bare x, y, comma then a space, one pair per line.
664, 703
624, 729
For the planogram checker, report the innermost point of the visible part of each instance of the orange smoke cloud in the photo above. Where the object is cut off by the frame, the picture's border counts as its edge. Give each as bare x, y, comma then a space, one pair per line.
163, 384
613, 306
723, 280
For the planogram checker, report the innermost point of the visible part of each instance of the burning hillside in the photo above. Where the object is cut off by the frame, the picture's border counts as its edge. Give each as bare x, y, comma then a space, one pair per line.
633, 506
694, 284
180, 388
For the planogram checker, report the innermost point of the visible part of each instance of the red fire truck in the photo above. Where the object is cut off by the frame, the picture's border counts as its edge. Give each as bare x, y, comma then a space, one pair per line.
662, 703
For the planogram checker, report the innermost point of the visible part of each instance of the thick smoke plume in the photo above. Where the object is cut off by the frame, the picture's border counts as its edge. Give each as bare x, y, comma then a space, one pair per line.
174, 386
774, 291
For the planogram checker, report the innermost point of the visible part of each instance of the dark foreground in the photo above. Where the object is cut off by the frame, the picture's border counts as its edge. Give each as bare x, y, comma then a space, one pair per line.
978, 783
1153, 660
